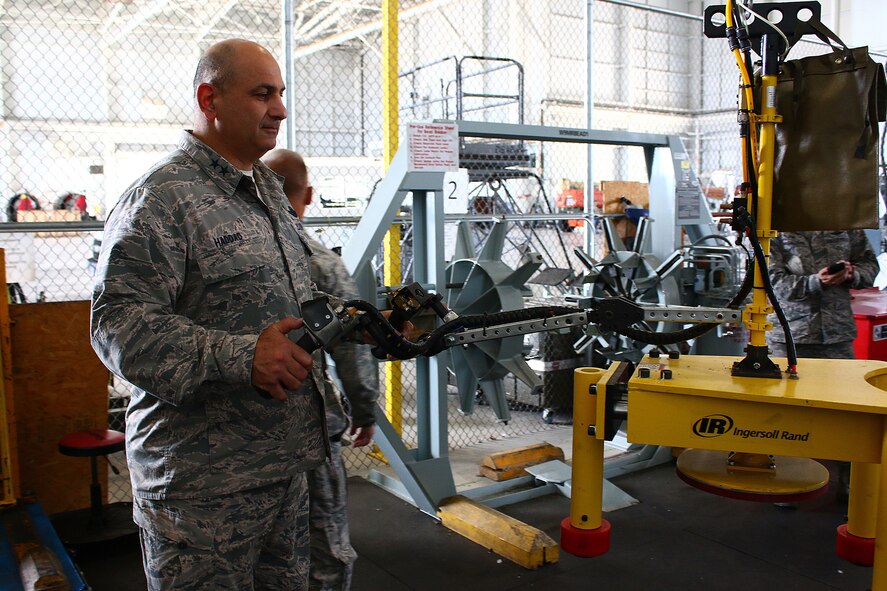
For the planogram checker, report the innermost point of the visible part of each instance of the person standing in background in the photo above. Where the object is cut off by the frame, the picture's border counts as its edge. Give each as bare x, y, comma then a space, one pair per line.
812, 275
332, 557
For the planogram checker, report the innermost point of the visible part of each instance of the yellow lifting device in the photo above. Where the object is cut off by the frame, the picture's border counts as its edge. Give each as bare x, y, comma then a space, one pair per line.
749, 430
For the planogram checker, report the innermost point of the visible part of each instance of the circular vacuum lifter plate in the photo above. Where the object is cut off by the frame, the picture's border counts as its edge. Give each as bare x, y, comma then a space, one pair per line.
794, 479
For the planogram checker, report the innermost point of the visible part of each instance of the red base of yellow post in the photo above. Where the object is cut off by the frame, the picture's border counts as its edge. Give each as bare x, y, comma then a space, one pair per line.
585, 543
854, 549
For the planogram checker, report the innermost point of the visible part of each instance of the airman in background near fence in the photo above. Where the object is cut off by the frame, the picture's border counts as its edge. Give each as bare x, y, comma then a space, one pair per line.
332, 556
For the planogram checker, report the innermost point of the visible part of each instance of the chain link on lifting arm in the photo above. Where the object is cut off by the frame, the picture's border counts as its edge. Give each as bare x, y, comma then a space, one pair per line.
327, 325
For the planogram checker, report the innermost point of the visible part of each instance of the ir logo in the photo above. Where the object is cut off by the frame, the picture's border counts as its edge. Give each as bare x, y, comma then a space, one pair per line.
713, 426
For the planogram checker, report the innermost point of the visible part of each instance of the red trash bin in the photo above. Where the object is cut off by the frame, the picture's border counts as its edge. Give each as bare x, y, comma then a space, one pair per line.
870, 312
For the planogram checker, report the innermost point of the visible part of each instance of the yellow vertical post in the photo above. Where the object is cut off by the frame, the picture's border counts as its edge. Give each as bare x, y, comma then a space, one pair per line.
391, 249
585, 532
755, 315
586, 500
862, 511
879, 573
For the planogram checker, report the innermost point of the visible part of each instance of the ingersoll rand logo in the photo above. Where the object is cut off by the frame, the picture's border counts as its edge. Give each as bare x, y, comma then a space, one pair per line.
713, 426
717, 425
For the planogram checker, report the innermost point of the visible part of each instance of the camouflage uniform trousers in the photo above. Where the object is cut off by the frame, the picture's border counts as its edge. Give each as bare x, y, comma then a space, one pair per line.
332, 557
250, 540
842, 350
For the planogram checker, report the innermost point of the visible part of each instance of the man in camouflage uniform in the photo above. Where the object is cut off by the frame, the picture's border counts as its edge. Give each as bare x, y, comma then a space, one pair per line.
332, 557
196, 303
817, 303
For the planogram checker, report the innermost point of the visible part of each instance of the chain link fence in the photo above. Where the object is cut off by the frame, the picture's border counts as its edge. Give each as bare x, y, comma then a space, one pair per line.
94, 92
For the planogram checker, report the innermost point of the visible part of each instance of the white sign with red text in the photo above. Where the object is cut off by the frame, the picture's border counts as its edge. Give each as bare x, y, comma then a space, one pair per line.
433, 147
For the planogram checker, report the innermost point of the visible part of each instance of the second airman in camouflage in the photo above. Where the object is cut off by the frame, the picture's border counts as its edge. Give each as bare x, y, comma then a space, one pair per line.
817, 303
332, 556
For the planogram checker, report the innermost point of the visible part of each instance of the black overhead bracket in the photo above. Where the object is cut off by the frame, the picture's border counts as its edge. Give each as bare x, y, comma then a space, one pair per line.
795, 19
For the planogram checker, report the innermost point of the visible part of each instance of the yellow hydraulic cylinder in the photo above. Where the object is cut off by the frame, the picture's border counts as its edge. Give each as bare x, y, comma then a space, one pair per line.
756, 315
588, 452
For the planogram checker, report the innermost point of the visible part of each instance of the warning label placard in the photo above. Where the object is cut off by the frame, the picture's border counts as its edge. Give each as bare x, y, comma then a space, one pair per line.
433, 147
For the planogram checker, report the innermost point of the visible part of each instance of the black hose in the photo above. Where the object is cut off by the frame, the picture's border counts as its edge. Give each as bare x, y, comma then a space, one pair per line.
709, 236
652, 337
771, 294
390, 342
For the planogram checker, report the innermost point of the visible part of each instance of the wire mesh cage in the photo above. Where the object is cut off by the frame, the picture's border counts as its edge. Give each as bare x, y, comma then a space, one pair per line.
95, 92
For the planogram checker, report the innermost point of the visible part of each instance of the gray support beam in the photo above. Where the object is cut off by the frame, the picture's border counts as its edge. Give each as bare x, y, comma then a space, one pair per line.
482, 129
428, 269
378, 216
424, 472
589, 122
426, 481
288, 71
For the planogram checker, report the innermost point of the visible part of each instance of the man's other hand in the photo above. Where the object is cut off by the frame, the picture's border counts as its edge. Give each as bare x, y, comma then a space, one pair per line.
361, 435
845, 274
279, 364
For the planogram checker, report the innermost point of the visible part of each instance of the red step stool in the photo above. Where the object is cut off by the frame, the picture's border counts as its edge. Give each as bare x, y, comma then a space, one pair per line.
100, 522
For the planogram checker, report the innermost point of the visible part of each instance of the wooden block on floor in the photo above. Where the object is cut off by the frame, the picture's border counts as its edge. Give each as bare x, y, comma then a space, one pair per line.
512, 539
505, 465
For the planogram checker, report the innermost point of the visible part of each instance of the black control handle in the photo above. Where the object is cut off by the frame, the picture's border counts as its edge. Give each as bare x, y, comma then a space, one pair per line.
307, 342
398, 318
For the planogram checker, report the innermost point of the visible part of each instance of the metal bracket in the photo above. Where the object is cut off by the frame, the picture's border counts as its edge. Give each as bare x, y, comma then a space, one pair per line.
690, 314
792, 21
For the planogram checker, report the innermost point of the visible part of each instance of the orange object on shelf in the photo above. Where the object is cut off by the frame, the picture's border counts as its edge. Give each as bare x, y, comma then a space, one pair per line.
571, 198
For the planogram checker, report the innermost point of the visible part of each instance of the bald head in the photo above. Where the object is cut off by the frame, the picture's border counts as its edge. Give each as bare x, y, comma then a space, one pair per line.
238, 93
218, 64
291, 166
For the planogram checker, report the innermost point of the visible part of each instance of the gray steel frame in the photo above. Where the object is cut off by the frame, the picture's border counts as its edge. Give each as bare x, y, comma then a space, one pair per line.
425, 474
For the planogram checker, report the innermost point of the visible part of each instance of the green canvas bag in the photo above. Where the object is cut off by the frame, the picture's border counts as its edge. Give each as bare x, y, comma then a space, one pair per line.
826, 165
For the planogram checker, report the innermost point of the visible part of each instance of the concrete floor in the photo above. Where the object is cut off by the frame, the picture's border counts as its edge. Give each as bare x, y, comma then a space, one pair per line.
676, 538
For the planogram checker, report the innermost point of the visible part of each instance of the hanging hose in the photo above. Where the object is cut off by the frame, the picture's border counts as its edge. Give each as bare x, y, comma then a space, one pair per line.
651, 337
712, 236
761, 258
390, 342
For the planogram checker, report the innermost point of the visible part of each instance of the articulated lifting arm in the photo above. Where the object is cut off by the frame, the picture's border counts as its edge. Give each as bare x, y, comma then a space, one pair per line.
328, 324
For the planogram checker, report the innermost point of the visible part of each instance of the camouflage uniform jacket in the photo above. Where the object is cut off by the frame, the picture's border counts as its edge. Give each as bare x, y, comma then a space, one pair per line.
818, 314
194, 265
355, 365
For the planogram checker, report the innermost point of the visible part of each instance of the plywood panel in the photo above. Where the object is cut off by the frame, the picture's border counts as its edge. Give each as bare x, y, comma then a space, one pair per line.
60, 387
637, 193
614, 191
8, 406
